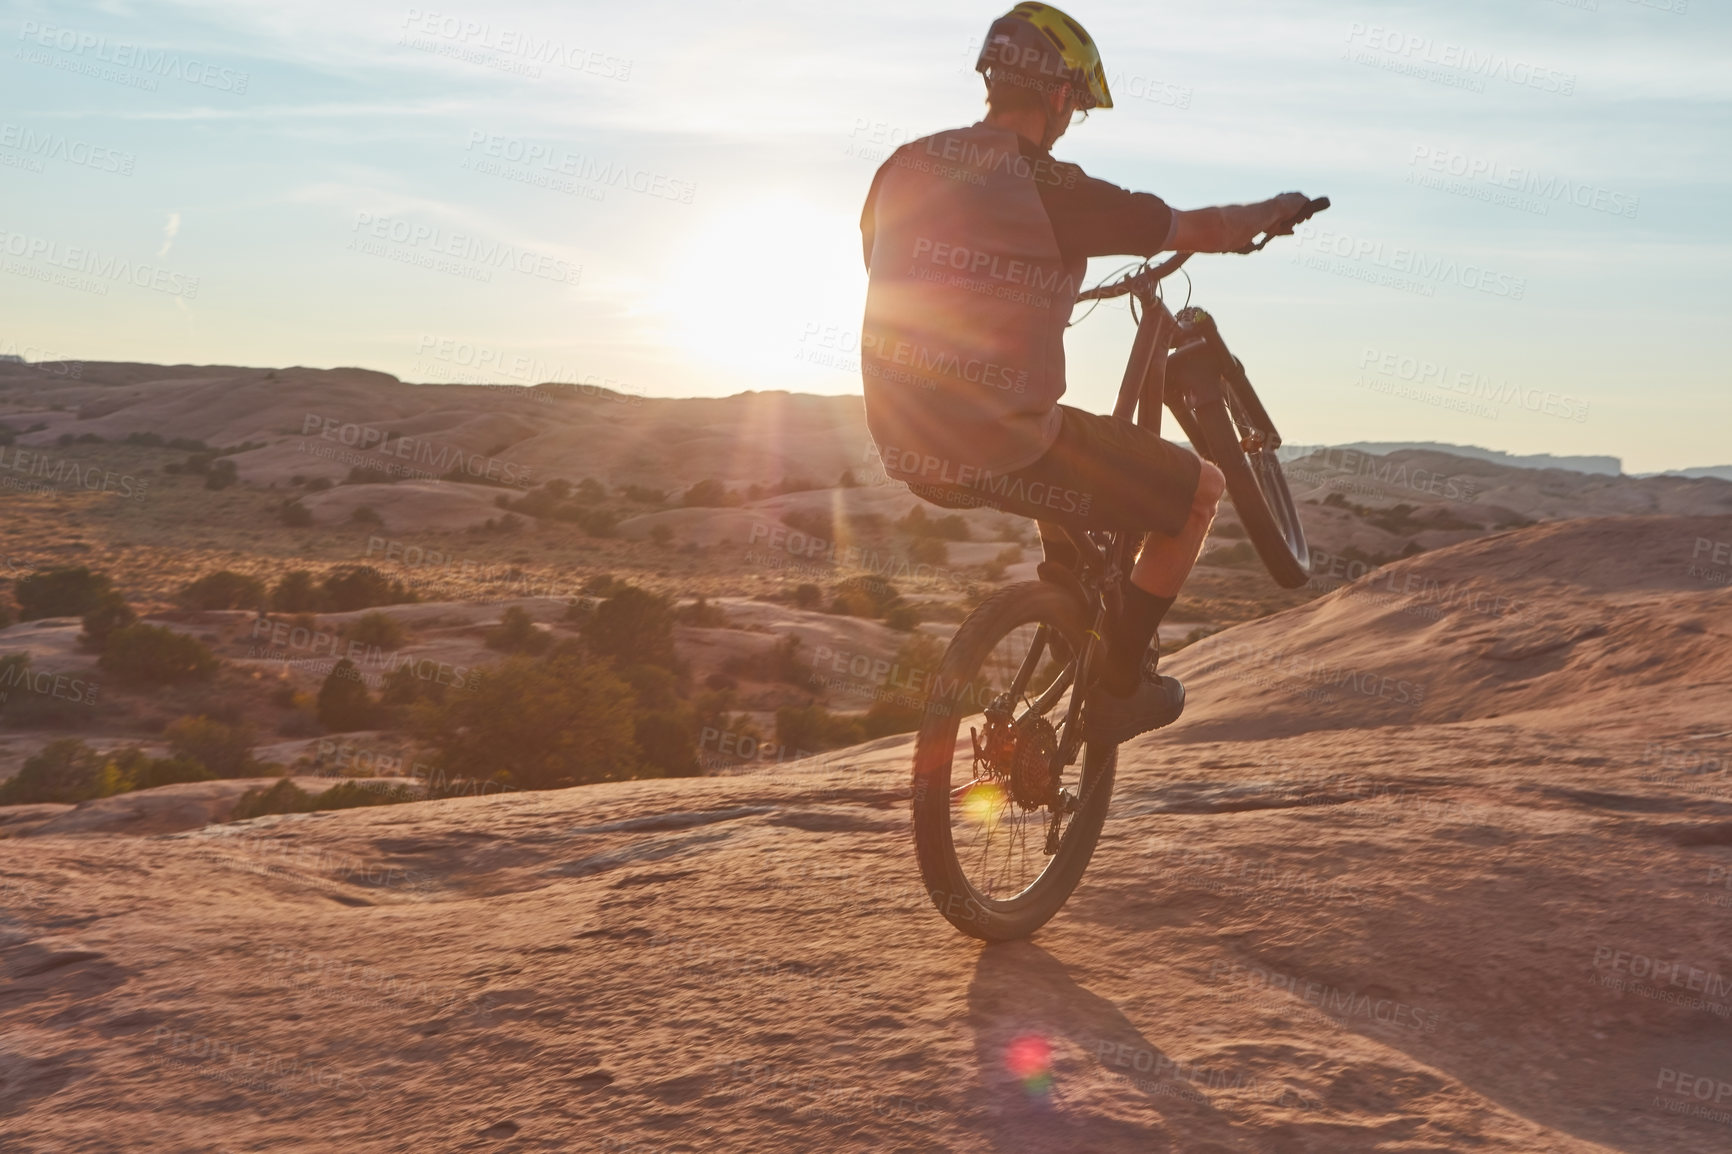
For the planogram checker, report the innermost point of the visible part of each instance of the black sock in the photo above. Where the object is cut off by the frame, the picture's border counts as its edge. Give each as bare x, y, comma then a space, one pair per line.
1138, 622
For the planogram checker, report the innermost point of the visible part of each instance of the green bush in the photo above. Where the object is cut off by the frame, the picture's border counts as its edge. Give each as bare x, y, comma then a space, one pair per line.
223, 589
903, 618
350, 587
107, 615
295, 592
220, 475
377, 631
150, 653
928, 551
808, 596
708, 493
536, 724
815, 728
632, 626
71, 591
132, 769
702, 614
287, 797
516, 633
866, 596
344, 703
64, 772
225, 750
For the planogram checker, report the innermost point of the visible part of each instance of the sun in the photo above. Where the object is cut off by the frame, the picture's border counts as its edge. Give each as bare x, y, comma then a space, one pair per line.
761, 279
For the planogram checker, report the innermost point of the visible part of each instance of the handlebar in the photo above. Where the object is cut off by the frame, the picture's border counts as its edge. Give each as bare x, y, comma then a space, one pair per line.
1147, 279
1286, 227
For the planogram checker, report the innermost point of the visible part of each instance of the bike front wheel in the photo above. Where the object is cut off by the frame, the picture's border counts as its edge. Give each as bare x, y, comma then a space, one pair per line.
1001, 841
1258, 488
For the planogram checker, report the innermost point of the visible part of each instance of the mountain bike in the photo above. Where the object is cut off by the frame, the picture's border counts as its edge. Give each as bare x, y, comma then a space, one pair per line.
1002, 850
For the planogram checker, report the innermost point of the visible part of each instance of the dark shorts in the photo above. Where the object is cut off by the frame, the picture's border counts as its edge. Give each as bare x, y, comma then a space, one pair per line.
1101, 473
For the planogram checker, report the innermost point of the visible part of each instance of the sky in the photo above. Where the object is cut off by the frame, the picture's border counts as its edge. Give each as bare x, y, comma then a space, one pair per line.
1527, 250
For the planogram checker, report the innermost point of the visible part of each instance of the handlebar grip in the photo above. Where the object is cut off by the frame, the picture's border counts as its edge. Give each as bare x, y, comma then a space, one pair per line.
1286, 227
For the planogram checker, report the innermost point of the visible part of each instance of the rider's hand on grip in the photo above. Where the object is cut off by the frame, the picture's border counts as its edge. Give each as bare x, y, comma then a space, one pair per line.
1287, 212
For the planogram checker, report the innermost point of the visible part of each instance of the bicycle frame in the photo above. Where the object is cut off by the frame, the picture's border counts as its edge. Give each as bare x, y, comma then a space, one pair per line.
1163, 339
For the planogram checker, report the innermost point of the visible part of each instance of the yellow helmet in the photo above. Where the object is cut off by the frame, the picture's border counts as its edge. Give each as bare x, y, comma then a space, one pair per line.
1038, 39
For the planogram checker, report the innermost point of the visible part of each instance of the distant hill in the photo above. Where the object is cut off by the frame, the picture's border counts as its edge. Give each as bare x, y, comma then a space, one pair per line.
1721, 472
1606, 466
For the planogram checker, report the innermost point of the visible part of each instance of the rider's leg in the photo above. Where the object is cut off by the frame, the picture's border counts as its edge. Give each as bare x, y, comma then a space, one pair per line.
1156, 579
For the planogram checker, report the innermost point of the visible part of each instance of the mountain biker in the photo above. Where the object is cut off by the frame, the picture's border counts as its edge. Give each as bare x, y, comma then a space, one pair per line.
976, 240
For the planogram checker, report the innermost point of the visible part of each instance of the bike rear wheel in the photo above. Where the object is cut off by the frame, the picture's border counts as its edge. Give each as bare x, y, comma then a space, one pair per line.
983, 835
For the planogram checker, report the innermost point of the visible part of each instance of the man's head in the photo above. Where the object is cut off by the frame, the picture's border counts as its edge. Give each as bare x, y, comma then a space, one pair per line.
1038, 62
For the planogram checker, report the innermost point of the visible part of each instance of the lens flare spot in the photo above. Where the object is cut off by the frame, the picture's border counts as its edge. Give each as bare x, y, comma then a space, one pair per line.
1030, 1059
982, 805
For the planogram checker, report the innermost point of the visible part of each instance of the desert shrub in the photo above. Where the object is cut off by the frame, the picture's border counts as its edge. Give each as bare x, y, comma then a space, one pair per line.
293, 514
220, 475
950, 527
1242, 555
599, 523
847, 480
815, 728
287, 797
928, 551
516, 633
708, 493
643, 495
295, 592
589, 491
537, 724
131, 768
598, 585
344, 703
812, 522
632, 626
377, 631
320, 484
808, 596
702, 614
661, 534
107, 615
350, 587
902, 618
223, 589
866, 596
225, 750
150, 653
71, 591
64, 772
365, 515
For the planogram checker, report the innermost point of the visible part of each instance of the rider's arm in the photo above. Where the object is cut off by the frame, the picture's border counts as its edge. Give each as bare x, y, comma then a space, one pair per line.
1227, 227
